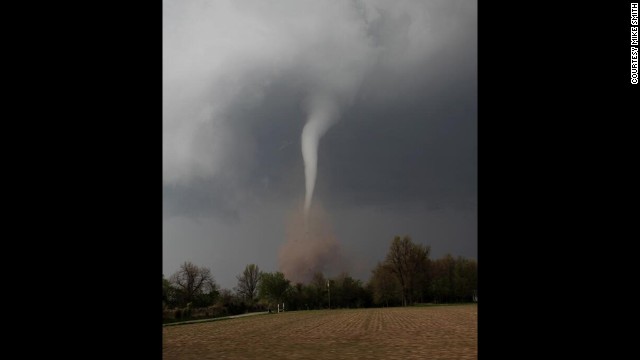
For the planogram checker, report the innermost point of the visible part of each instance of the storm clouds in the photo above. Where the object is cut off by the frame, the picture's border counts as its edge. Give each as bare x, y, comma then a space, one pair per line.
396, 85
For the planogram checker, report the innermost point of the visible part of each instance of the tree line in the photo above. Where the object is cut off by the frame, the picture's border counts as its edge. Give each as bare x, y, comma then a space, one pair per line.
406, 276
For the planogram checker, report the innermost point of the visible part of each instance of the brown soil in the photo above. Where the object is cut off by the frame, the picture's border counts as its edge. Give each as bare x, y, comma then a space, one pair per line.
439, 332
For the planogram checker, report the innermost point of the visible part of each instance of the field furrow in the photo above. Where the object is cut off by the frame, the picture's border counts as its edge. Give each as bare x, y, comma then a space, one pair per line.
442, 332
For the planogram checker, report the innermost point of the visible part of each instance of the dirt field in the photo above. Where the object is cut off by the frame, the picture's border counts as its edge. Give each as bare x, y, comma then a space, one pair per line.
439, 332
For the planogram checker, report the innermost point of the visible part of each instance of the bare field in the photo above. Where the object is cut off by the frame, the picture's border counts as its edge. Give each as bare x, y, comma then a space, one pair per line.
439, 332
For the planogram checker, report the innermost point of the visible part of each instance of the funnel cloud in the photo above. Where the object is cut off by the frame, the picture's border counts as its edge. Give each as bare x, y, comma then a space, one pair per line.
322, 114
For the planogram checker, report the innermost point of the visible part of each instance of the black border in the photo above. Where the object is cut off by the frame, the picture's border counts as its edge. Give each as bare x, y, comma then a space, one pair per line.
556, 119
98, 130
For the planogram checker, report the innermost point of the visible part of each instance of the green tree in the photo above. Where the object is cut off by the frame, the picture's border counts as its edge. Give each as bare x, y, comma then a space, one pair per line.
230, 303
299, 297
464, 279
385, 287
346, 292
273, 287
443, 279
319, 290
407, 261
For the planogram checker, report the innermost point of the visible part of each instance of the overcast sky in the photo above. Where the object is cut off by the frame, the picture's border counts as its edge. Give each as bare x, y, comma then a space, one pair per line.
399, 155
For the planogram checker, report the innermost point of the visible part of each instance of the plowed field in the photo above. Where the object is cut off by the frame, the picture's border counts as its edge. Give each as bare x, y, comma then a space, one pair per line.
438, 332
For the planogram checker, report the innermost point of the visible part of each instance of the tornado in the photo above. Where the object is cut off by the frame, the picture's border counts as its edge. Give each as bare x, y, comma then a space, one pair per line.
322, 114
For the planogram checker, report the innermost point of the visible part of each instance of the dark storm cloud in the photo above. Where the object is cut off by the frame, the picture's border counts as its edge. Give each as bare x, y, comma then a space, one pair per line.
400, 159
421, 146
